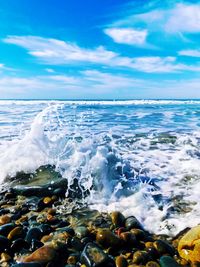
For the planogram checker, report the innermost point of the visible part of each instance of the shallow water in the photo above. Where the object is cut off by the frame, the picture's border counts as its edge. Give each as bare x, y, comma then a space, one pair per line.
140, 157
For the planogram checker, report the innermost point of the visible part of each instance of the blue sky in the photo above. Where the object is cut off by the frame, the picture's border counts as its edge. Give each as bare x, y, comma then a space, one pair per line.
92, 49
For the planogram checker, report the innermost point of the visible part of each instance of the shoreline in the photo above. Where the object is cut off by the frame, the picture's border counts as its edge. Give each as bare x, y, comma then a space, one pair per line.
42, 228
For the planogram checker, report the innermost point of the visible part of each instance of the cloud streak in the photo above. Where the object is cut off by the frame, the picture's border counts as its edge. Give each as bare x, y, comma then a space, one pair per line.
57, 52
127, 36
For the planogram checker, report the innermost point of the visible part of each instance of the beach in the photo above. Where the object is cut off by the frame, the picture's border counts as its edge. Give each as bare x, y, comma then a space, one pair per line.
98, 183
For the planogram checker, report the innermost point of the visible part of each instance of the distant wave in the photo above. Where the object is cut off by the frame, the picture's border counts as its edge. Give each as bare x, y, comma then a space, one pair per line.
104, 102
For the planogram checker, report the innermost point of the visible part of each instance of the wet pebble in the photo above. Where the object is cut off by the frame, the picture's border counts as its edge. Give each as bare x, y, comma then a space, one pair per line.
44, 254
4, 243
132, 222
166, 261
120, 261
93, 256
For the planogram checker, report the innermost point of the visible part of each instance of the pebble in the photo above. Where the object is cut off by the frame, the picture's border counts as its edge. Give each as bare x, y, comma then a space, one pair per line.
117, 218
167, 261
120, 261
107, 239
93, 256
15, 233
44, 254
4, 219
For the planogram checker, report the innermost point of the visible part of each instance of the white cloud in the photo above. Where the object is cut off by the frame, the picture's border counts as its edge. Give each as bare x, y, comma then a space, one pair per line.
56, 52
59, 52
179, 18
184, 18
127, 35
190, 53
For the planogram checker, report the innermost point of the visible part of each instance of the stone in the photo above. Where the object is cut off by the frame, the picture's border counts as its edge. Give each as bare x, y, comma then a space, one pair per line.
44, 254
166, 261
4, 243
106, 238
120, 261
18, 245
132, 222
117, 218
163, 247
94, 256
33, 233
15, 233
4, 219
189, 245
81, 231
6, 228
140, 257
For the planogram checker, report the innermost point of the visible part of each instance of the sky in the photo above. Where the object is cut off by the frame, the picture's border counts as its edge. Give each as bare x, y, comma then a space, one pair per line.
99, 49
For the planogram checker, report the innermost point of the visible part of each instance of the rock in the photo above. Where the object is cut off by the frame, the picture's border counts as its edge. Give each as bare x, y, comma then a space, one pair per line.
129, 239
6, 228
140, 257
189, 245
33, 233
81, 231
18, 245
94, 256
120, 261
132, 222
4, 243
44, 254
15, 233
4, 219
163, 247
106, 238
166, 261
117, 218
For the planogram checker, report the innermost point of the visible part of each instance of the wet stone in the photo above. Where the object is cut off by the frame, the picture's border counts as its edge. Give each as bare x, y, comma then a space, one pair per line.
6, 228
18, 245
107, 239
163, 247
140, 257
94, 256
15, 233
117, 218
4, 243
120, 261
4, 219
132, 222
33, 233
44, 254
166, 261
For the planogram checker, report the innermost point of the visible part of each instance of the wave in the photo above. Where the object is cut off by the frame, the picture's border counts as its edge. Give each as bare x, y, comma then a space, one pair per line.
103, 102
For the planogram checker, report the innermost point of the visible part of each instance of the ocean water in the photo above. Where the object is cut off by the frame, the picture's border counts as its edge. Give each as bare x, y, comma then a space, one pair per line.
141, 157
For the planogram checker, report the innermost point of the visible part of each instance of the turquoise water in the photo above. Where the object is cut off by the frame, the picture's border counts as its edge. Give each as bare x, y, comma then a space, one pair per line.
140, 157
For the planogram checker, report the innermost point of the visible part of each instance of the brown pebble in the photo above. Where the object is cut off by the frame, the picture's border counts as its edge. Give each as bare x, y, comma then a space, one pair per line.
152, 264
21, 220
140, 257
117, 218
120, 261
47, 200
51, 211
15, 233
42, 255
4, 219
107, 239
72, 260
129, 238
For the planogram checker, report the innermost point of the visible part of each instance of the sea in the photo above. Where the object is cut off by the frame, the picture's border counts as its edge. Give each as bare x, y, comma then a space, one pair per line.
140, 157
